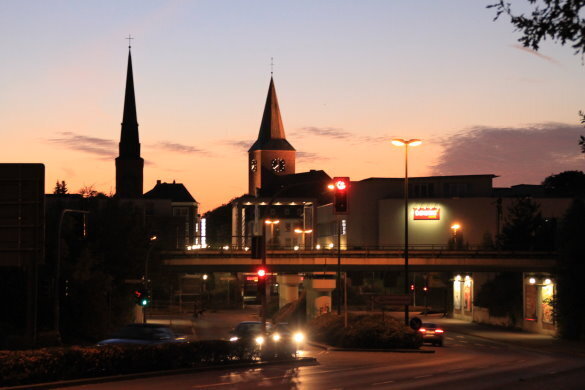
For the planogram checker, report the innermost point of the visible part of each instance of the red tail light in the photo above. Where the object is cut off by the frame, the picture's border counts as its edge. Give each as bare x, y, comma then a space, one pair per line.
438, 330
422, 330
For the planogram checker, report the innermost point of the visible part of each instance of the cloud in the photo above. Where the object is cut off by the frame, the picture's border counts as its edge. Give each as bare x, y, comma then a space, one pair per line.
242, 144
307, 157
524, 155
178, 148
329, 132
105, 148
534, 52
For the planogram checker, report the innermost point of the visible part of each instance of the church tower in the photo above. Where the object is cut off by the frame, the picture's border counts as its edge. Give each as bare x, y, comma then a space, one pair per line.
129, 164
271, 155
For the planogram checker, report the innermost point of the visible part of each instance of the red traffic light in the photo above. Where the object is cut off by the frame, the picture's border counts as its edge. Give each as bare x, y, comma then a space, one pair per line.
425, 288
412, 287
261, 273
340, 183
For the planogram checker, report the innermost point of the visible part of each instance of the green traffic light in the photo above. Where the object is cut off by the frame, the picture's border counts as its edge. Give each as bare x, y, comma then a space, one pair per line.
144, 302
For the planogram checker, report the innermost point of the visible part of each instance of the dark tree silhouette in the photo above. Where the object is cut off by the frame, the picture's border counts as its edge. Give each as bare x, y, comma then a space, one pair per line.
568, 183
525, 228
570, 274
60, 188
558, 20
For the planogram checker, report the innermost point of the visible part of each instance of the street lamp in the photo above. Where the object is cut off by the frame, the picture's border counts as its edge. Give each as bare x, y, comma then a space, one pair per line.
271, 222
303, 232
455, 228
406, 144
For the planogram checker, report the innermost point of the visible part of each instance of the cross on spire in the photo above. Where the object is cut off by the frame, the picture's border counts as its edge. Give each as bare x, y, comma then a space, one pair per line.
271, 66
129, 41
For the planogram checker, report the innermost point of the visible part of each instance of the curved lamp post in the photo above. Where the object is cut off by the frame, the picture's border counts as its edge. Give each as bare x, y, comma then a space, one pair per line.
406, 144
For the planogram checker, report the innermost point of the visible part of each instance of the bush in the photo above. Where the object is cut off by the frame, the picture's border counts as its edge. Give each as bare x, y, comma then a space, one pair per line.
363, 331
54, 364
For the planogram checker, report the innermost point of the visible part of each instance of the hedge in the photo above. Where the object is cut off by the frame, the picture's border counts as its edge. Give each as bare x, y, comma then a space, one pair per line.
369, 331
63, 363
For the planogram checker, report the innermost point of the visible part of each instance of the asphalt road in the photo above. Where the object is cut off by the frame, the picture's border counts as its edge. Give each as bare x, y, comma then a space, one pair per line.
466, 362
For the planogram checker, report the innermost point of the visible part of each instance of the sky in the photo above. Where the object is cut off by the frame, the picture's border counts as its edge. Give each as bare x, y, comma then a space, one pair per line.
350, 76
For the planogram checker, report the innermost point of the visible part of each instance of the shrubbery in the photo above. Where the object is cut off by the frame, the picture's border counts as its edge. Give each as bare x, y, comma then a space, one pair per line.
54, 364
363, 331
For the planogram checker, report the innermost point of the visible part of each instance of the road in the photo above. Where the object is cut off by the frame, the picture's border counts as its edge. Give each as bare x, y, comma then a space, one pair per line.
466, 362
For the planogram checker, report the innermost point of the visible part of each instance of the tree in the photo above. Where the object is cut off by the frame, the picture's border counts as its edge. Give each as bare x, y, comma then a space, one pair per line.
502, 296
568, 183
558, 20
525, 228
60, 188
570, 274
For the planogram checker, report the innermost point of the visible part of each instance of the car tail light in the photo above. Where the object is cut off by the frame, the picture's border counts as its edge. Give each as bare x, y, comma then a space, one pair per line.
422, 330
439, 331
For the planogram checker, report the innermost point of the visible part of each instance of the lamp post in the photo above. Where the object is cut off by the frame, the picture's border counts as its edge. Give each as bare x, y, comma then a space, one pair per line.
455, 228
303, 232
56, 304
406, 144
152, 240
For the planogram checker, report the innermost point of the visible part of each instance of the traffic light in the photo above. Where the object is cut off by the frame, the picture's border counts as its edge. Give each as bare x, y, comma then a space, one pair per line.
142, 297
261, 273
426, 289
412, 287
340, 189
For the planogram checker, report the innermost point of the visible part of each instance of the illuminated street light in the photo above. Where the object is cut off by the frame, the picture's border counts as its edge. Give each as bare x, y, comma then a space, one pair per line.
406, 144
303, 232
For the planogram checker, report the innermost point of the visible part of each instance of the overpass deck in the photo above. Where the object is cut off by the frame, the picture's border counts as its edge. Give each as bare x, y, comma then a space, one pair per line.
351, 260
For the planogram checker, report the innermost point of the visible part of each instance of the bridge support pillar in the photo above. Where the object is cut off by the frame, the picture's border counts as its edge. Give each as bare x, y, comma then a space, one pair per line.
288, 288
319, 294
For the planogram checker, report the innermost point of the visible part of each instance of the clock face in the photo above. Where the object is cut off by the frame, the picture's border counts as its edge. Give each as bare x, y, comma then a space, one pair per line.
278, 165
253, 165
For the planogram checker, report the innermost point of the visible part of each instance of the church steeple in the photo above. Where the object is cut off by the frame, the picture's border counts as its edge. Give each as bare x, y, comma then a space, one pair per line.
271, 135
129, 145
271, 155
129, 164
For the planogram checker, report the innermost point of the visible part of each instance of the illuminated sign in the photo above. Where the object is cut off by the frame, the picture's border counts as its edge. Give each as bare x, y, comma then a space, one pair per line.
427, 213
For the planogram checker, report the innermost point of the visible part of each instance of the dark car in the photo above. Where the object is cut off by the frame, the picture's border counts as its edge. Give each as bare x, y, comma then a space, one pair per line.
143, 334
432, 333
277, 341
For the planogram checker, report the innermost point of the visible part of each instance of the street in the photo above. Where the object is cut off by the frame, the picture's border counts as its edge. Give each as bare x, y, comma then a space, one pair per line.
466, 361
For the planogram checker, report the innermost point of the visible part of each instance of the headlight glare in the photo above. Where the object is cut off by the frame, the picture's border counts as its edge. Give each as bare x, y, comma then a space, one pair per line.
259, 340
276, 337
299, 337
234, 338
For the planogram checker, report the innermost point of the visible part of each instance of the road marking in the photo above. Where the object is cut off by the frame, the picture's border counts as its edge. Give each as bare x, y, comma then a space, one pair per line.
422, 376
480, 345
454, 371
382, 383
460, 337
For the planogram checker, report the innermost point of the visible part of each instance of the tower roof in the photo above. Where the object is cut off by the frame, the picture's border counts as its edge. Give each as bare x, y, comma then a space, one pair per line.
271, 135
129, 141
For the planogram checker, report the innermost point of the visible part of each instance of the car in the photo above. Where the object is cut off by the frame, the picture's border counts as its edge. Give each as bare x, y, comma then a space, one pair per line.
276, 342
143, 334
432, 333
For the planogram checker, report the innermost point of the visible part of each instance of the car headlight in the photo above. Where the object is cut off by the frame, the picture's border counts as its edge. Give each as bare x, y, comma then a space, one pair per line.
299, 337
259, 340
234, 338
276, 337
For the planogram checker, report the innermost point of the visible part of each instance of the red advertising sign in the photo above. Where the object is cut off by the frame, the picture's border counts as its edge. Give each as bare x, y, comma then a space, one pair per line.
427, 213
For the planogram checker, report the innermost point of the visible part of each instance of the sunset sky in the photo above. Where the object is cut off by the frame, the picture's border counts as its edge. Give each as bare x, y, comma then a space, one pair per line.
350, 75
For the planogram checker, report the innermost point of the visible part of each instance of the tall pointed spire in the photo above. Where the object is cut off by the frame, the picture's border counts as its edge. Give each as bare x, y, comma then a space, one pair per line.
129, 144
271, 135
129, 164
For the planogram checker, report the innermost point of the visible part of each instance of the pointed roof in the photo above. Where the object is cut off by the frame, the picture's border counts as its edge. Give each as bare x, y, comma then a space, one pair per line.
176, 192
271, 135
129, 141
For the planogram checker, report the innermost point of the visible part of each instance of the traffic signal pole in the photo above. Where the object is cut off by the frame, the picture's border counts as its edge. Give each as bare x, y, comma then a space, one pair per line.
338, 265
